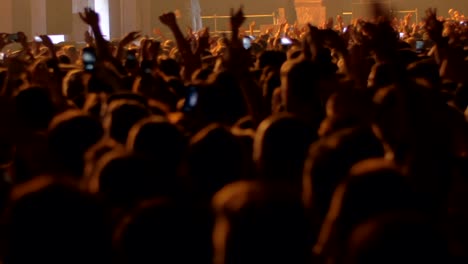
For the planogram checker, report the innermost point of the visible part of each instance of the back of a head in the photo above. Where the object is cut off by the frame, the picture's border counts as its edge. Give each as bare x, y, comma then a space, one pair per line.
426, 69
222, 100
94, 154
375, 187
258, 223
74, 88
123, 178
121, 118
214, 160
169, 67
70, 135
273, 59
300, 84
280, 148
49, 222
382, 75
329, 162
159, 231
347, 108
396, 238
34, 108
157, 138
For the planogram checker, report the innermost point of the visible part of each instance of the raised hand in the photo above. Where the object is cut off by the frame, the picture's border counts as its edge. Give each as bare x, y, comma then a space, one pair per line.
339, 20
203, 40
434, 27
329, 23
90, 17
169, 19
46, 41
252, 25
132, 36
238, 18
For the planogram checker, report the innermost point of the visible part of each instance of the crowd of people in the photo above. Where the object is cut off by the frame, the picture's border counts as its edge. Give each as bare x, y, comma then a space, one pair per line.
344, 144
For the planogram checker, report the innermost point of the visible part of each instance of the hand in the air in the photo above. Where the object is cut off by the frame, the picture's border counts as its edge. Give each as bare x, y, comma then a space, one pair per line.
90, 17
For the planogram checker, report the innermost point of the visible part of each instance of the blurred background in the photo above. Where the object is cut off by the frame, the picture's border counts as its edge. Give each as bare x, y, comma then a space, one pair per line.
60, 17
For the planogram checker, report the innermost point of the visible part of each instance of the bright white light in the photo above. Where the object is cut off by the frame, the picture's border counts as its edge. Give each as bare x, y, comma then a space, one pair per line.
57, 38
102, 7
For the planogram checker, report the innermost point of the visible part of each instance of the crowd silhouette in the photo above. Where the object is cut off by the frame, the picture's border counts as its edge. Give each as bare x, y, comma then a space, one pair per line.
343, 144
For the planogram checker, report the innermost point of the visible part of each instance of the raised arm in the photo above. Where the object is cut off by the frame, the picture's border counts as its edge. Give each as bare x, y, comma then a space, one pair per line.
91, 18
190, 61
238, 64
132, 36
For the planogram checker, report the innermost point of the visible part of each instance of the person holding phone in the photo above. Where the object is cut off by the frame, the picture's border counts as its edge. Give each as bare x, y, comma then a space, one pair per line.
89, 59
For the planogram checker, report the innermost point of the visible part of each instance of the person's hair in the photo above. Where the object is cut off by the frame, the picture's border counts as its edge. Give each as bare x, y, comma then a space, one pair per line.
64, 59
375, 187
156, 88
280, 148
124, 178
346, 109
169, 67
95, 153
221, 100
70, 135
160, 231
121, 116
397, 238
274, 59
258, 223
34, 108
301, 88
214, 159
427, 69
329, 162
52, 222
74, 88
158, 139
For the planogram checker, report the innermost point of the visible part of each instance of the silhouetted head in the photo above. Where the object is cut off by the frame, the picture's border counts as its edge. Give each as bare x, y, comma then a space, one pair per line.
34, 108
426, 69
74, 88
221, 101
374, 187
258, 223
50, 222
156, 88
329, 162
214, 159
397, 238
157, 138
160, 231
300, 87
124, 178
121, 116
274, 59
346, 109
280, 148
382, 75
70, 135
96, 152
169, 67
